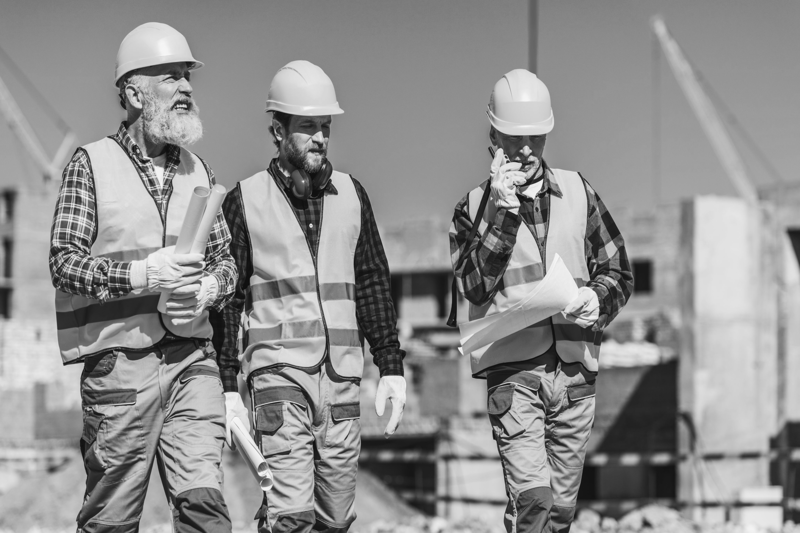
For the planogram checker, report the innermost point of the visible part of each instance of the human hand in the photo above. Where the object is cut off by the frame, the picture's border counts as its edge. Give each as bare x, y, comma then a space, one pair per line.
167, 270
234, 408
505, 178
392, 388
584, 309
189, 301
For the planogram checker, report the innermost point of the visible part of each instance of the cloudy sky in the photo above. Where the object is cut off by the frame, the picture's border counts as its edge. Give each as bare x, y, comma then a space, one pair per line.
414, 78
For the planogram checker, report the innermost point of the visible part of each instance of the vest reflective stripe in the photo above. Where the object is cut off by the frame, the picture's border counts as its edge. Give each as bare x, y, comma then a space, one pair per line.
287, 287
295, 311
129, 228
566, 236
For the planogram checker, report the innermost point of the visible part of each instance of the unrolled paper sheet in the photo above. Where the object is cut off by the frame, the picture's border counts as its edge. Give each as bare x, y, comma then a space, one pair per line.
251, 454
550, 296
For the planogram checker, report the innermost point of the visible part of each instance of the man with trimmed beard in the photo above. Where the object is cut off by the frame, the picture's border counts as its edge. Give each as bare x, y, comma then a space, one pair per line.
150, 386
313, 282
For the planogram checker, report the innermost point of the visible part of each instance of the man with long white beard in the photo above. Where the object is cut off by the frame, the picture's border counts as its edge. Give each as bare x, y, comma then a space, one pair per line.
314, 281
150, 386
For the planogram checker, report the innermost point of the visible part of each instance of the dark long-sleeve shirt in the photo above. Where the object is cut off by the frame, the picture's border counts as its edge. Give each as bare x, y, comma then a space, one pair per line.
374, 308
72, 267
489, 253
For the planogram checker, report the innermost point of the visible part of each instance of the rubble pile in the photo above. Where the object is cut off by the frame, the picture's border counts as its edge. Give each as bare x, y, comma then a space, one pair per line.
648, 519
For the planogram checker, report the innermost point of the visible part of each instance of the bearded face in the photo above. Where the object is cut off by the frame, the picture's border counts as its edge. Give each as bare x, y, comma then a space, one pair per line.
299, 154
171, 120
306, 143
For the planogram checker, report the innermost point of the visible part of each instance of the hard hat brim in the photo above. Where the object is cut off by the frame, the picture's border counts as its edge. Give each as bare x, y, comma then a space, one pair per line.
513, 128
304, 111
130, 66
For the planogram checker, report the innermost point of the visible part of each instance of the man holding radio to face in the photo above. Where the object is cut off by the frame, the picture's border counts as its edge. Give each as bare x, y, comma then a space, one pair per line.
314, 280
541, 379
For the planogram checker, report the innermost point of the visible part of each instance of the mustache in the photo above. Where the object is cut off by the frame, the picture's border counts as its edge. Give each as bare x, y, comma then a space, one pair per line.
186, 101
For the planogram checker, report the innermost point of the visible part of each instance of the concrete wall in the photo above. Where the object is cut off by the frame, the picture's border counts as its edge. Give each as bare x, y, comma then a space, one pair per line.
728, 355
32, 296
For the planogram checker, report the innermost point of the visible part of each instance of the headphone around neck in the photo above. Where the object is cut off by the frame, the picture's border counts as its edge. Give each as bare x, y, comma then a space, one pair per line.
303, 185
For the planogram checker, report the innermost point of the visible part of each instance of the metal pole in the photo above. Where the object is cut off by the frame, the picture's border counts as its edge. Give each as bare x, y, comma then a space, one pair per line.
533, 34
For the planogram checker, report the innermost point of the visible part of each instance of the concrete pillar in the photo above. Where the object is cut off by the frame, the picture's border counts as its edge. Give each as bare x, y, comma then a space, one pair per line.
728, 349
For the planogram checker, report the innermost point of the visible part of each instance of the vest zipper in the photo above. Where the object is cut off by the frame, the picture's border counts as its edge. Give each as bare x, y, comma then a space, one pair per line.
313, 260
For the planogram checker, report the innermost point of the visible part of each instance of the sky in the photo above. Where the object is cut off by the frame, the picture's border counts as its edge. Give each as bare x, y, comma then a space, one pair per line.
414, 78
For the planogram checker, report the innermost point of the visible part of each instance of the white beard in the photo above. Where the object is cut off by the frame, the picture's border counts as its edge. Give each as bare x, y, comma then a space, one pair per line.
164, 125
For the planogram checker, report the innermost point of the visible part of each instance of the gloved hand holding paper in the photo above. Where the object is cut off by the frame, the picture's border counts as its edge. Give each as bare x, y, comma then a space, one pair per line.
550, 296
251, 455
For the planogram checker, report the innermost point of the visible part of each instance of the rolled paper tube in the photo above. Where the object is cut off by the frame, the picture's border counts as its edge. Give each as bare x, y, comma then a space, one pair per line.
251, 455
209, 217
191, 222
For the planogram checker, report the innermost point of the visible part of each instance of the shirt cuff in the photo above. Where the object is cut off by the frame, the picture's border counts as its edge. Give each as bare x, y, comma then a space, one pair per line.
508, 221
390, 363
228, 375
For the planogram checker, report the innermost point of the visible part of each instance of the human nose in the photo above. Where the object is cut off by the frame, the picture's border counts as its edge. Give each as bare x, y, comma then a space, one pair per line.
185, 87
526, 150
318, 137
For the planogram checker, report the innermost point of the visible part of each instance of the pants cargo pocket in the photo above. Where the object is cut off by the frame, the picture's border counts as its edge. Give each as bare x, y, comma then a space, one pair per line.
273, 408
505, 421
345, 411
581, 392
89, 449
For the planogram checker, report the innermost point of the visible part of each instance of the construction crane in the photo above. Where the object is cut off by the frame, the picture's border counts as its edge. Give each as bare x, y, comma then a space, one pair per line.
24, 132
706, 113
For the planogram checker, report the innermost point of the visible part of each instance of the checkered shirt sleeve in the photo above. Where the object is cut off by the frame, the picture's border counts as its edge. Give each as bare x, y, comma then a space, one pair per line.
487, 256
72, 268
607, 259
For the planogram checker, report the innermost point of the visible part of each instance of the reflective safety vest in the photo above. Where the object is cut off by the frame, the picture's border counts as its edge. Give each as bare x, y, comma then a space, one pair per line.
129, 227
565, 236
300, 307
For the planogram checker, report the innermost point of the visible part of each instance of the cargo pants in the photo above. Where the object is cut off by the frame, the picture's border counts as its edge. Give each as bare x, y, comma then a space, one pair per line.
165, 404
307, 425
541, 413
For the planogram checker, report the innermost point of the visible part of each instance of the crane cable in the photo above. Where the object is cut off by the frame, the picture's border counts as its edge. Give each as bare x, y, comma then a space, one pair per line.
37, 95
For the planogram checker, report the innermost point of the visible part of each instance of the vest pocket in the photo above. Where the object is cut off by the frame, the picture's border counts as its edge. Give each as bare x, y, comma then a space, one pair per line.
505, 422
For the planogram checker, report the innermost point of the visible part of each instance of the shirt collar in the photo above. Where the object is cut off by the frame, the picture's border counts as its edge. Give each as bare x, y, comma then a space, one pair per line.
276, 171
133, 150
549, 182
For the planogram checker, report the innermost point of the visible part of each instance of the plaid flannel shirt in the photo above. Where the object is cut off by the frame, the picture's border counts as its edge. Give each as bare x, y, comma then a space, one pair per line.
488, 255
72, 267
374, 308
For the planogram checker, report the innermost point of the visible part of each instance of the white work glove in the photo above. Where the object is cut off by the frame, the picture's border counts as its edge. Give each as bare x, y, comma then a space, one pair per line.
164, 270
391, 388
584, 309
189, 301
234, 408
505, 180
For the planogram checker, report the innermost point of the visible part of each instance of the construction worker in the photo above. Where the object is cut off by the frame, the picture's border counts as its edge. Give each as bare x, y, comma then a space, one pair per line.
313, 282
150, 386
541, 380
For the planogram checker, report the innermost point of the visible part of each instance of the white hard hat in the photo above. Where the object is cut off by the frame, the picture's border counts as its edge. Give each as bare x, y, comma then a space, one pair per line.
520, 105
152, 43
302, 88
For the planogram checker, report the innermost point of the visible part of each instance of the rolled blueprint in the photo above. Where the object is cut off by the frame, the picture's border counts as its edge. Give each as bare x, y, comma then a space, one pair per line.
251, 454
192, 219
207, 222
191, 222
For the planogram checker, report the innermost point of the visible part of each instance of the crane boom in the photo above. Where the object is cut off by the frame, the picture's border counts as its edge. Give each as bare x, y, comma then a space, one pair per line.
706, 113
22, 129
